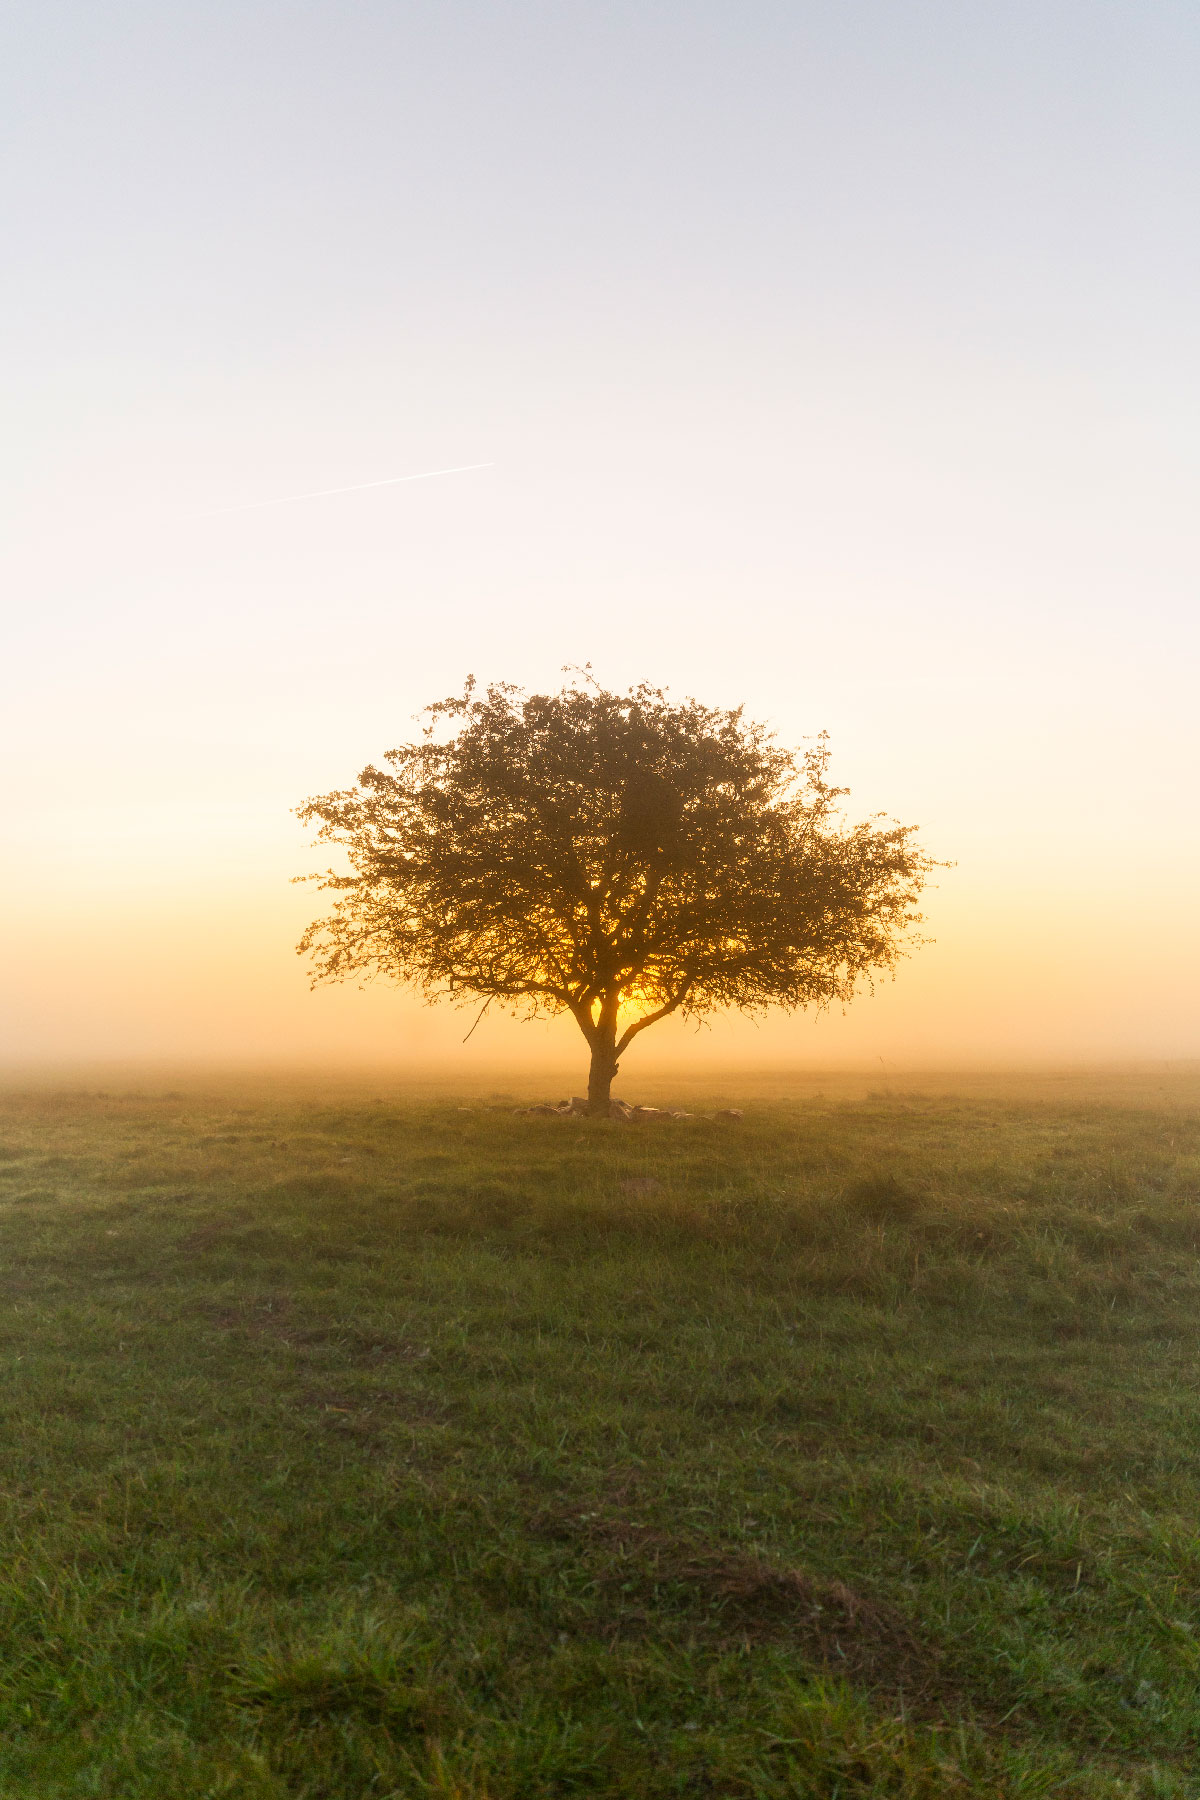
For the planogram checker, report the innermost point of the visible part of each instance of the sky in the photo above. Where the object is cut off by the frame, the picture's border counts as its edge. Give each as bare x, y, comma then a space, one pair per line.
840, 361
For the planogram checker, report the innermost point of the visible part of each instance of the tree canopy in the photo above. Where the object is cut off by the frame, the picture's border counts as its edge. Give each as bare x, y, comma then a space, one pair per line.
620, 857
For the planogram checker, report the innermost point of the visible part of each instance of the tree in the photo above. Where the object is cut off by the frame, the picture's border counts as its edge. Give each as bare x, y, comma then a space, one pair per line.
615, 856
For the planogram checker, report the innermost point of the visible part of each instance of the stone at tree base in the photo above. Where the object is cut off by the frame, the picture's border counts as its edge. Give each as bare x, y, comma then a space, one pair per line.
577, 1108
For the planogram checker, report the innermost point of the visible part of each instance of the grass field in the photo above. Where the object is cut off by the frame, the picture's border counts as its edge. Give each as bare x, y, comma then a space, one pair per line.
370, 1447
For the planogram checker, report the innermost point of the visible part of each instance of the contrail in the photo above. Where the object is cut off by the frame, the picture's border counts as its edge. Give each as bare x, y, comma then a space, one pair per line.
358, 488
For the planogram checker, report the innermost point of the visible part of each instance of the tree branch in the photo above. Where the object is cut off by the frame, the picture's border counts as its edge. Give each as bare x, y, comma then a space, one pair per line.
652, 1018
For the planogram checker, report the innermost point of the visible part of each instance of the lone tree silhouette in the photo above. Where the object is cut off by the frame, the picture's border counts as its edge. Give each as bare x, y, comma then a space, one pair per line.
614, 856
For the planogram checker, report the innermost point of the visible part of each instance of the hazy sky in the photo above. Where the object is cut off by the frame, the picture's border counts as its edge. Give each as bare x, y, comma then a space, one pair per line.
841, 360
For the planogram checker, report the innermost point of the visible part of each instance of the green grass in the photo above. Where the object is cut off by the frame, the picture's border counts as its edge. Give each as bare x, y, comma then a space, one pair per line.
366, 1449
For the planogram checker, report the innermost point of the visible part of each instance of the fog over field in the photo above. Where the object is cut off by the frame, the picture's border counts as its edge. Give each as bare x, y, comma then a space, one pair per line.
658, 1080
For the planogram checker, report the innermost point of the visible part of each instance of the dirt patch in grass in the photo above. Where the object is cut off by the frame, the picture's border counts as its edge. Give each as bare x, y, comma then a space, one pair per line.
861, 1638
15, 1283
265, 1315
749, 1599
359, 1348
369, 1415
273, 1316
204, 1237
238, 1236
315, 1184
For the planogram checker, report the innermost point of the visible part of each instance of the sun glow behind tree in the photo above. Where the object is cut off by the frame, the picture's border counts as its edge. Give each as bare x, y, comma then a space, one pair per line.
614, 856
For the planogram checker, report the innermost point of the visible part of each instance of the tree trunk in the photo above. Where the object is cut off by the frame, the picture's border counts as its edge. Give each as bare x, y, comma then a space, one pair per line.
600, 1076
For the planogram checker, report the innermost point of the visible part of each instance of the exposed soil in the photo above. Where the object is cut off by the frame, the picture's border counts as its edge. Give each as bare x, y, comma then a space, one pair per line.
750, 1599
272, 1315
